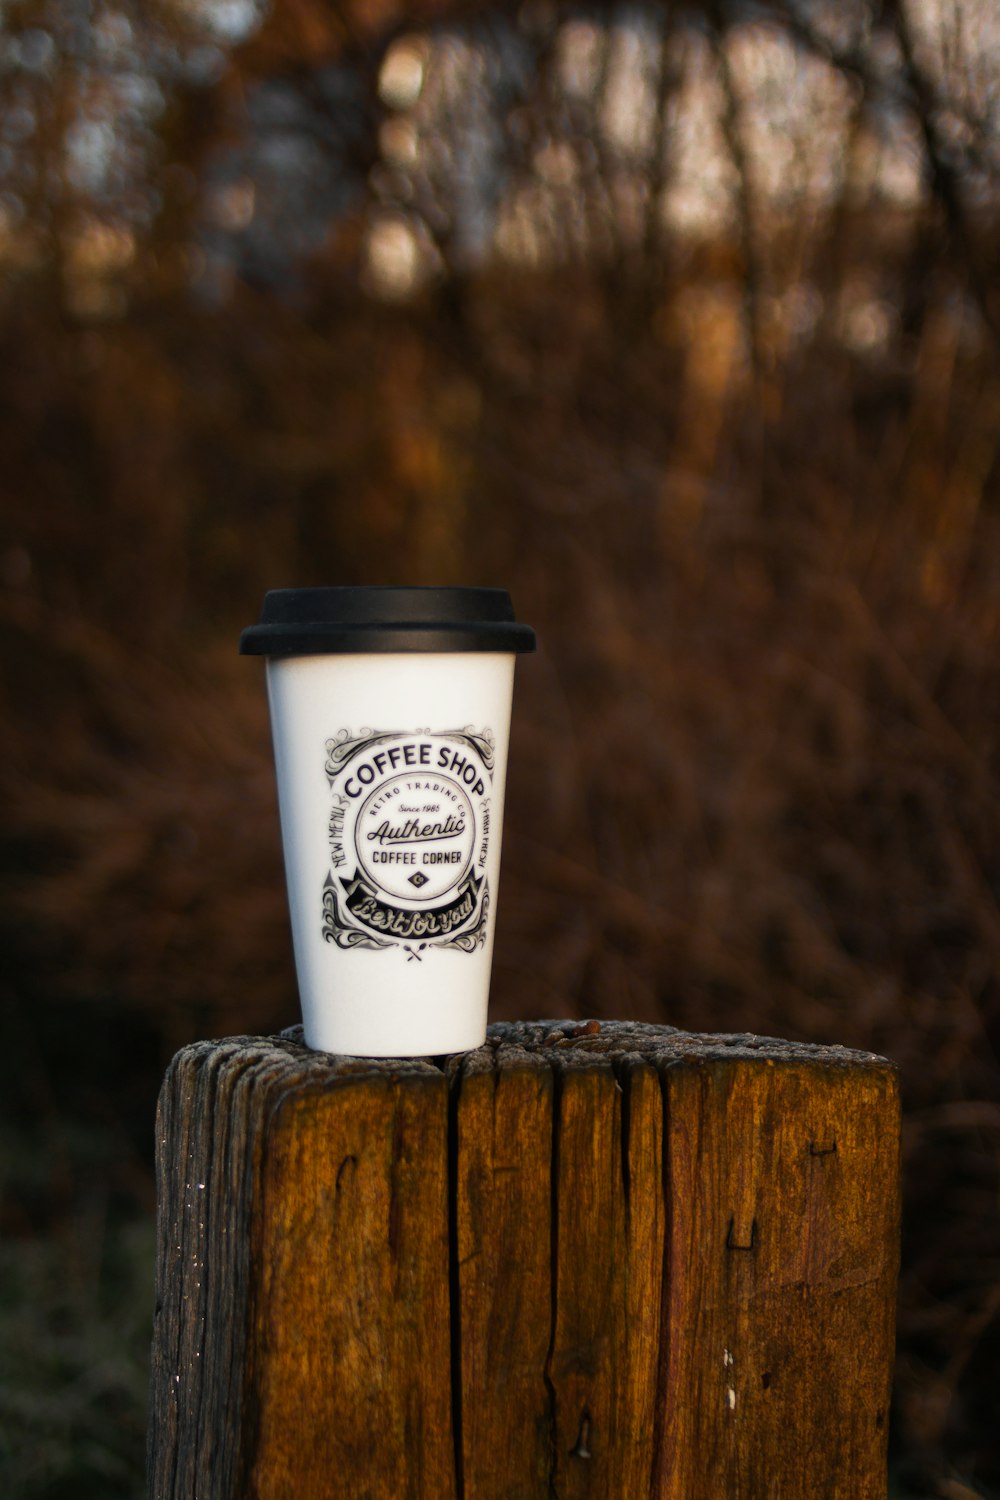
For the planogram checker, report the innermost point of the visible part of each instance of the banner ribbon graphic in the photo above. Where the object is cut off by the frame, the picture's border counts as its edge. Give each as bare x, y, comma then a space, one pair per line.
365, 906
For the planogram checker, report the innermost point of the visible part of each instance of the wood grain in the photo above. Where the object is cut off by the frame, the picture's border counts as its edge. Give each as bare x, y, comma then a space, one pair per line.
503, 1253
782, 1275
588, 1260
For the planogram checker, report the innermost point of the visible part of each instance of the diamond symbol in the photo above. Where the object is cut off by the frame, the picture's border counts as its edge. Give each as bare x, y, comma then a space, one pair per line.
418, 878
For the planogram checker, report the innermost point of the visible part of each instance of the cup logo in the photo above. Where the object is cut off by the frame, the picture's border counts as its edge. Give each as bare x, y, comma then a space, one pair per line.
409, 839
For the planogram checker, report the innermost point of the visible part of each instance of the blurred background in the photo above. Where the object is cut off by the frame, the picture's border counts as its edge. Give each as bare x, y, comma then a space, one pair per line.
681, 322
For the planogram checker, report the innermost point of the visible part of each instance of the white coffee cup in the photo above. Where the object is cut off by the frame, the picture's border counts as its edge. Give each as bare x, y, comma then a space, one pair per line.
390, 715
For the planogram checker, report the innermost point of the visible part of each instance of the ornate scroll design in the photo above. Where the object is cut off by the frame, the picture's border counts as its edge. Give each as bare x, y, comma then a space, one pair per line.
336, 930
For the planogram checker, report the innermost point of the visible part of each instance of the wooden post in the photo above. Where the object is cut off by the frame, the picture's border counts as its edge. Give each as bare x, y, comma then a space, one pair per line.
600, 1261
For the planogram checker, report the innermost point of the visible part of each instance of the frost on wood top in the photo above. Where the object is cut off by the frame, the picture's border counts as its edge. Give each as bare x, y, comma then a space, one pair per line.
576, 1041
530, 1044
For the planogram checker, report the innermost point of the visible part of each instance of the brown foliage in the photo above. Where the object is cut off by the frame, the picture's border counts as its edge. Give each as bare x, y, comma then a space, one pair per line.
754, 777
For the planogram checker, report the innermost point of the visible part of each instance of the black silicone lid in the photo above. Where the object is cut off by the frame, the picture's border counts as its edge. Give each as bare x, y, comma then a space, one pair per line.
314, 622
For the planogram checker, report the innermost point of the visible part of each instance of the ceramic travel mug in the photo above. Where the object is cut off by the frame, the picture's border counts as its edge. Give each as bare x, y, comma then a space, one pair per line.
390, 715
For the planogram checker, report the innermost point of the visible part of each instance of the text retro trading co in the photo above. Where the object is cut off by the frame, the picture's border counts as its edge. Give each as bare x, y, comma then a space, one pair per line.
409, 838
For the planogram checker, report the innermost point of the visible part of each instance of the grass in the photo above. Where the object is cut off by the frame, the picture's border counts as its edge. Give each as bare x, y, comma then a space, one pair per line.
76, 1252
75, 1326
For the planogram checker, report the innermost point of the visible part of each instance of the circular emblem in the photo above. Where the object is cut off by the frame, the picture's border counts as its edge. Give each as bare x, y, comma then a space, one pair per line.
415, 837
409, 834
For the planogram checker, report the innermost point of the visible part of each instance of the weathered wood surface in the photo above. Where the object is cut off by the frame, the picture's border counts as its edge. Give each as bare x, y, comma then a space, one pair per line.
587, 1262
